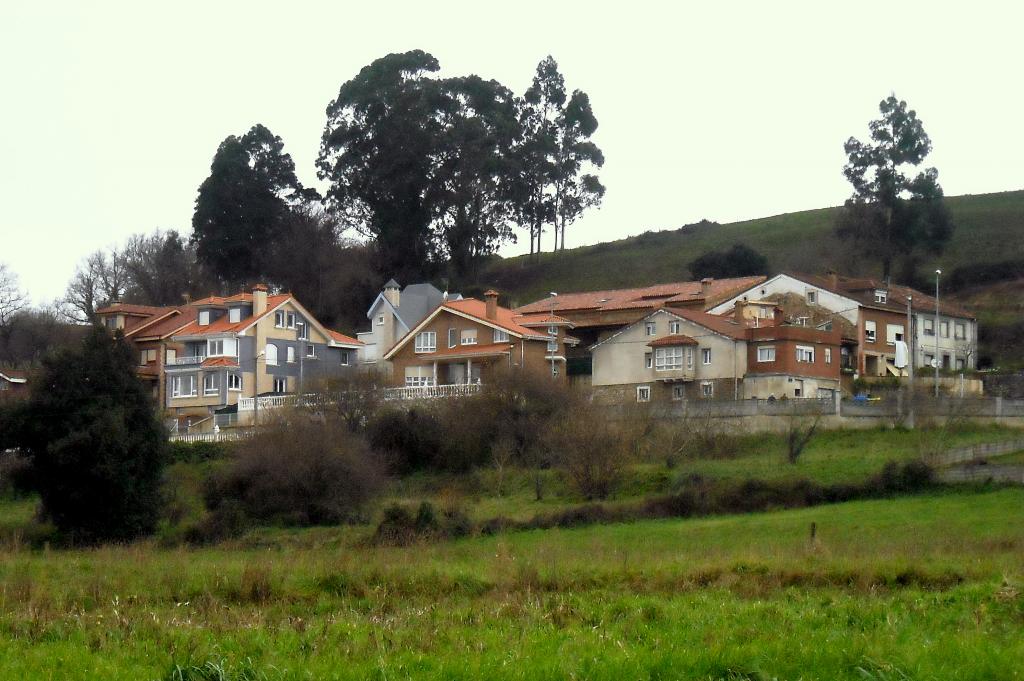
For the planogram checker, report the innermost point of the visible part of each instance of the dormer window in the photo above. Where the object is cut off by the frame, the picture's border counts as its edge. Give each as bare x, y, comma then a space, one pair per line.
552, 330
279, 319
204, 318
235, 315
881, 296
302, 330
291, 320
380, 320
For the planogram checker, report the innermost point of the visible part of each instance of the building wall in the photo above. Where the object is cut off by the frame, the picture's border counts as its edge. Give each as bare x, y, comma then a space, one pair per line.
785, 340
765, 386
965, 348
621, 360
782, 284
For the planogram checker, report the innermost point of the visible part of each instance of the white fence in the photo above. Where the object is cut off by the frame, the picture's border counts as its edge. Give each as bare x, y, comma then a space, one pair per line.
430, 392
229, 435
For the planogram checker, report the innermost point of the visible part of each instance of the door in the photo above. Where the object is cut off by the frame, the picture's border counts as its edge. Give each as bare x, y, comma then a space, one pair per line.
456, 374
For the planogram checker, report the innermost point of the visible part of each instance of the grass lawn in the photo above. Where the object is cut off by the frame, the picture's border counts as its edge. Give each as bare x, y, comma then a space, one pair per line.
926, 587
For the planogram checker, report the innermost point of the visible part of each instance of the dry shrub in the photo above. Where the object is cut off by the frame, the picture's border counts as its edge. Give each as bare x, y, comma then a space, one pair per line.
590, 450
295, 471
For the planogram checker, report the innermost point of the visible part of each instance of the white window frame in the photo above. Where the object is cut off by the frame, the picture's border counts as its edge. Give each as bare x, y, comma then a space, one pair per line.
215, 348
467, 337
648, 360
668, 358
500, 336
426, 341
310, 351
282, 383
650, 328
345, 358
270, 354
235, 315
689, 358
674, 327
881, 296
944, 328
211, 386
766, 353
643, 393
291, 320
234, 382
805, 354
552, 330
291, 354
959, 331
204, 318
302, 330
552, 346
380, 320
453, 338
893, 333
811, 295
279, 319
678, 392
828, 355
928, 326
870, 331
705, 356
707, 389
178, 381
419, 377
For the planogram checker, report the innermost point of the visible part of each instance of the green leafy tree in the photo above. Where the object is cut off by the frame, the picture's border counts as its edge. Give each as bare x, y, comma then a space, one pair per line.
96, 444
241, 206
575, 189
891, 212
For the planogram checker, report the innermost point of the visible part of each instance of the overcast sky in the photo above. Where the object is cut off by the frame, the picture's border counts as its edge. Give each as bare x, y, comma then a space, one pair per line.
111, 112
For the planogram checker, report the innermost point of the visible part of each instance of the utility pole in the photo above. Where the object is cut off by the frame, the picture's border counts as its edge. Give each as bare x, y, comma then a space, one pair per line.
937, 273
909, 335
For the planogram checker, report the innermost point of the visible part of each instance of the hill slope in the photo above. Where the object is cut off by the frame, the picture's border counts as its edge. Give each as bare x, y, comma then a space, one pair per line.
989, 228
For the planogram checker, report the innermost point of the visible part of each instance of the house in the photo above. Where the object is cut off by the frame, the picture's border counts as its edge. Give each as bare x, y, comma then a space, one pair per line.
393, 313
149, 330
462, 341
873, 317
683, 354
249, 345
13, 384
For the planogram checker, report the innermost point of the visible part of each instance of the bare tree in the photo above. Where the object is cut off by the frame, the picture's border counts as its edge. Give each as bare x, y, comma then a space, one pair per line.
801, 427
12, 299
100, 279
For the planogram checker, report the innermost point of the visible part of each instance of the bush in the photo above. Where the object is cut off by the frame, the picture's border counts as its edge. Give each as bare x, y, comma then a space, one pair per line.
294, 472
407, 440
16, 474
590, 451
196, 452
399, 526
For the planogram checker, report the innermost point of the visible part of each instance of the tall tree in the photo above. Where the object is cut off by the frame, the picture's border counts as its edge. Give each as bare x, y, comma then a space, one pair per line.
892, 213
101, 279
376, 152
162, 268
12, 302
241, 206
95, 441
575, 189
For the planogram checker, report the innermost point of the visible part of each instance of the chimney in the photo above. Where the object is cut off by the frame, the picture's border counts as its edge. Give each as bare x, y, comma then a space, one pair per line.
491, 296
705, 287
833, 280
392, 292
738, 313
187, 297
778, 316
259, 299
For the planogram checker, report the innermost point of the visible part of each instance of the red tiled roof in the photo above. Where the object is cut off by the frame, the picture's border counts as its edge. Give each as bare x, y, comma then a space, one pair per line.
541, 319
223, 300
505, 318
224, 325
463, 350
160, 326
674, 339
721, 325
342, 338
644, 297
863, 289
220, 362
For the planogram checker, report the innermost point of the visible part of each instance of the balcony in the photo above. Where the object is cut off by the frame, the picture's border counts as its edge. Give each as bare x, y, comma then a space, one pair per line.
430, 392
673, 375
184, 361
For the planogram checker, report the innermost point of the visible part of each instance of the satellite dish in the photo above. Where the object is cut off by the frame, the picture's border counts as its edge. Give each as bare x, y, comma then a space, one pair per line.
934, 364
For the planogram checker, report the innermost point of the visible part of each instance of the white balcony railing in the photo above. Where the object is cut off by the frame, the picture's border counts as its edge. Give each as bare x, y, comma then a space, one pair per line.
429, 392
269, 402
181, 361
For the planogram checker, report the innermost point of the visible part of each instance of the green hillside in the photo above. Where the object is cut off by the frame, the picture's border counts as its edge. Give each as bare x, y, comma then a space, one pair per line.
989, 228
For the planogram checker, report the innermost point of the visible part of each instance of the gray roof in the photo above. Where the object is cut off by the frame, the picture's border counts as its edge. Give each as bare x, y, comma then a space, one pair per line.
417, 301
392, 284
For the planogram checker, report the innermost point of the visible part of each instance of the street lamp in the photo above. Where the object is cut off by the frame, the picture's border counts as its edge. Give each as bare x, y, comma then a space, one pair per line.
553, 295
937, 273
256, 386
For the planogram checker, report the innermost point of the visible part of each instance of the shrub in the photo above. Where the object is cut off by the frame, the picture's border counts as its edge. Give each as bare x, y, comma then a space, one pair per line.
399, 526
407, 440
16, 474
589, 450
195, 452
295, 472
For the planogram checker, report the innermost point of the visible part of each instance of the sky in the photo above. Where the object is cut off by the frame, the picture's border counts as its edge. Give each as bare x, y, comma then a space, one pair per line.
111, 112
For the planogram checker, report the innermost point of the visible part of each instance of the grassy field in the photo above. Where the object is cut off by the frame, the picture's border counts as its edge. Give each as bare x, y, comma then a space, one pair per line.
924, 587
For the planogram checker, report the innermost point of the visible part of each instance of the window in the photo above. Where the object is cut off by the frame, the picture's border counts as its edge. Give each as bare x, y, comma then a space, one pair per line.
215, 348
279, 319
707, 389
552, 346
929, 360
705, 356
805, 353
689, 358
500, 336
210, 384
310, 350
893, 333
270, 354
648, 360
552, 330
235, 315
945, 361
380, 320
802, 321
869, 331
650, 328
291, 320
828, 355
235, 382
110, 323
453, 337
172, 356
679, 392
419, 376
345, 358
643, 393
673, 328
929, 326
426, 341
147, 356
281, 385
204, 317
881, 296
960, 331
766, 353
666, 359
554, 369
959, 364
798, 388
291, 354
469, 337
812, 297
183, 386
944, 327
303, 330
